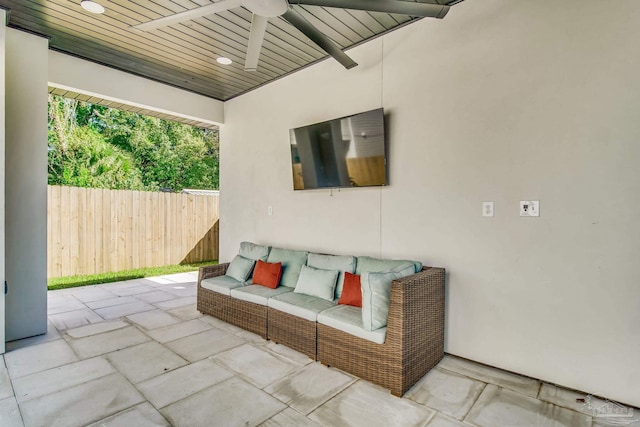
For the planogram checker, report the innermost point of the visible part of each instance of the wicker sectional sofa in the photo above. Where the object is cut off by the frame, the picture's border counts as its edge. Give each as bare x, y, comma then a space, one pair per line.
394, 357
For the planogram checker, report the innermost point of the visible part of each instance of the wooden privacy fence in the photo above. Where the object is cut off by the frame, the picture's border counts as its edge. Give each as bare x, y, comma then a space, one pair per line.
94, 230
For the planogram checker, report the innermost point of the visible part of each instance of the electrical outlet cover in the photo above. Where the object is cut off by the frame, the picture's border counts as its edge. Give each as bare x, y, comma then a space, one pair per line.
529, 208
487, 209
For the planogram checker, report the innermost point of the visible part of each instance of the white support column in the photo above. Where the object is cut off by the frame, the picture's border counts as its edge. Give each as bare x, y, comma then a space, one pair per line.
26, 184
3, 20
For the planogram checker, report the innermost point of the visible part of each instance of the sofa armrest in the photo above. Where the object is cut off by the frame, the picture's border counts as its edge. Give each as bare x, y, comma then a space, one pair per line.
212, 271
416, 310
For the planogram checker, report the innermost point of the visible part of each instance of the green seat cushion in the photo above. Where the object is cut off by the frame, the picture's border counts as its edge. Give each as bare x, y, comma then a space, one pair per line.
257, 294
317, 282
304, 306
292, 262
221, 284
240, 268
347, 318
376, 290
253, 251
341, 263
377, 265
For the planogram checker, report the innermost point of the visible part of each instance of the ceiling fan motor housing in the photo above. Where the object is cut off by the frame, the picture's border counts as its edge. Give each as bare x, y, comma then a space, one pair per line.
266, 8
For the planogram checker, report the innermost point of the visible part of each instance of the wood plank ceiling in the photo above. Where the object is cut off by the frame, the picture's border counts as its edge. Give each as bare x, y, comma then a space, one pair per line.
184, 55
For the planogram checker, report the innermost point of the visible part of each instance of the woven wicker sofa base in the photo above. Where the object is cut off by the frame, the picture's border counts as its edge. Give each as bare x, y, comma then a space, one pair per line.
294, 332
415, 336
246, 315
414, 341
380, 364
207, 303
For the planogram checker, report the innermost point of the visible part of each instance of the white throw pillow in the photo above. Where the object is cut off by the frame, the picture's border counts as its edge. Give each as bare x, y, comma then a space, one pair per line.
341, 263
240, 268
316, 282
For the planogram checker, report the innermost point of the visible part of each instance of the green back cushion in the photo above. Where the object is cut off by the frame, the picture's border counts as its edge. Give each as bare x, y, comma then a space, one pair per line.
341, 263
376, 265
240, 268
292, 262
316, 282
376, 290
253, 251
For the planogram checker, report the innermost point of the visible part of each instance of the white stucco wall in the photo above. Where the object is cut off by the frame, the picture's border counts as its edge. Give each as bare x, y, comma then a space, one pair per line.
503, 101
26, 184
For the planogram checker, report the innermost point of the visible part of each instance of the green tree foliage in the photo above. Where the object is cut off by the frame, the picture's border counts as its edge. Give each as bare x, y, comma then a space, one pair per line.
95, 146
88, 160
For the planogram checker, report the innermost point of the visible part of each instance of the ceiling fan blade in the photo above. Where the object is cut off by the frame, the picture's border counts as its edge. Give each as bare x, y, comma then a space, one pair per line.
298, 21
187, 15
258, 28
388, 6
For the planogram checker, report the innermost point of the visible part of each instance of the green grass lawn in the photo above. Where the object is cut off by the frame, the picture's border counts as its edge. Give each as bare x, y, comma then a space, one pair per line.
94, 279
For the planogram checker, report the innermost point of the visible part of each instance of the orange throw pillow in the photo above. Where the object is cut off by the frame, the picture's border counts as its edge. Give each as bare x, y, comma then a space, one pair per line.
351, 290
267, 274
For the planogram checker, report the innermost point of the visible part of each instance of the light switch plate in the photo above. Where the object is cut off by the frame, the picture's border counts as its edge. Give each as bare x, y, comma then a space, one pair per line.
487, 209
529, 208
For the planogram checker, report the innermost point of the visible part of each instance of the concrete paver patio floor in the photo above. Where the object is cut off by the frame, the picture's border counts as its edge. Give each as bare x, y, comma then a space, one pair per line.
137, 353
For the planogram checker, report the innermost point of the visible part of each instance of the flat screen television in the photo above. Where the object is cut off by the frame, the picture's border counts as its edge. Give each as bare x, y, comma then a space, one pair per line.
340, 153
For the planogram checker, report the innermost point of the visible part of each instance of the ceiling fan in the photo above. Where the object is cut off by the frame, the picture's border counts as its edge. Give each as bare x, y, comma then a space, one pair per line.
264, 9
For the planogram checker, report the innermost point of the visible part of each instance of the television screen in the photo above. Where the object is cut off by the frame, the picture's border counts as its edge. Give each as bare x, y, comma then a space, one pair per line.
345, 152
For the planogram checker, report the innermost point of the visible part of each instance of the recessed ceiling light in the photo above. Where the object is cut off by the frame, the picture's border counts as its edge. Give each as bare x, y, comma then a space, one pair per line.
91, 6
224, 61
